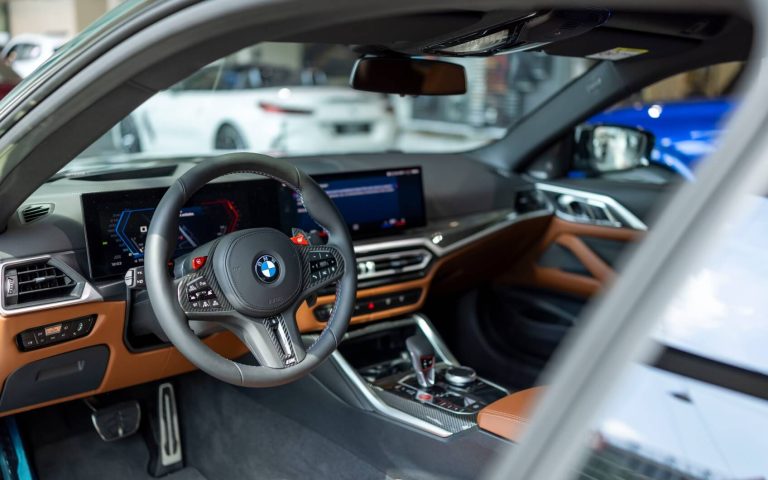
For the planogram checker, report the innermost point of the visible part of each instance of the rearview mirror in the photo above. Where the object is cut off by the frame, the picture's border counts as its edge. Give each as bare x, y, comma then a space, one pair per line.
408, 76
611, 148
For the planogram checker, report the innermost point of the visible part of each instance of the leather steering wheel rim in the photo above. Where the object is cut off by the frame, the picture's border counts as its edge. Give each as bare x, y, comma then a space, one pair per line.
171, 309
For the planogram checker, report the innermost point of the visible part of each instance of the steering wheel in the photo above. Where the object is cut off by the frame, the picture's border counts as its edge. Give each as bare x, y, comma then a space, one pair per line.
252, 281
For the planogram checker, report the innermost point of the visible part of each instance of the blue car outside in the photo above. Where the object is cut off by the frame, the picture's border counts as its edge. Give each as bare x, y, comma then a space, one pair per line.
685, 131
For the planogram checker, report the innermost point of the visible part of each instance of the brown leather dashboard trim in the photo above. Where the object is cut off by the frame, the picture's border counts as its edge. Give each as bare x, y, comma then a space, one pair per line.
124, 369
308, 323
508, 416
528, 273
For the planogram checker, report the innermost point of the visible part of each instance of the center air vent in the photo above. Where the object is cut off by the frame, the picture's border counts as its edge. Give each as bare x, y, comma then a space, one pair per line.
36, 211
37, 282
393, 263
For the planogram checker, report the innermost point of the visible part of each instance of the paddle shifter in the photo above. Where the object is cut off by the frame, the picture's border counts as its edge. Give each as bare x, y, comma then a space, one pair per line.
423, 359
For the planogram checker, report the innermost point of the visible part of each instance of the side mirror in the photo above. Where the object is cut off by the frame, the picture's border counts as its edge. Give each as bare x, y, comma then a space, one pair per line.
408, 76
611, 148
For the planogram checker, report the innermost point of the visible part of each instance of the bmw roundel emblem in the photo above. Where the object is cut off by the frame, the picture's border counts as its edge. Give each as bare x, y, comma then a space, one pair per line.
267, 268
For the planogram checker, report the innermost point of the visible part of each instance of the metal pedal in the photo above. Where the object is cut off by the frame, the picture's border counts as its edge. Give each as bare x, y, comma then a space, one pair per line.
165, 439
117, 421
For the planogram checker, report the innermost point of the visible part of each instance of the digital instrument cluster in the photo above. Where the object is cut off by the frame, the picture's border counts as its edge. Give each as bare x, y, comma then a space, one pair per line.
373, 203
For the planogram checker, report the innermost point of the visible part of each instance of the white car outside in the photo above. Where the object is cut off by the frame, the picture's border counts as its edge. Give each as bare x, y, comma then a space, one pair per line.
264, 109
24, 53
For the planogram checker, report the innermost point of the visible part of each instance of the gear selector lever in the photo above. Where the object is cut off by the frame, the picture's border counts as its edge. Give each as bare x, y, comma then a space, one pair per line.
422, 359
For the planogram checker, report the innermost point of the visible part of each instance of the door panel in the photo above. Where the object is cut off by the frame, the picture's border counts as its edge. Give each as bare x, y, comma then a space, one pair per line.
509, 329
571, 258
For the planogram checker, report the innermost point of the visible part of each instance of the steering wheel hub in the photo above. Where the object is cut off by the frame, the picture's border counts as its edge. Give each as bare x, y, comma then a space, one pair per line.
259, 271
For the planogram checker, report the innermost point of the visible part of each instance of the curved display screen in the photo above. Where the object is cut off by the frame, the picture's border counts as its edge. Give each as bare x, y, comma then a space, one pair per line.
373, 203
116, 223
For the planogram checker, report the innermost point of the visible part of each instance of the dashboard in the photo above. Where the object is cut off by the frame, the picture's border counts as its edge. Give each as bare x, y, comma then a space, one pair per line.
374, 203
418, 222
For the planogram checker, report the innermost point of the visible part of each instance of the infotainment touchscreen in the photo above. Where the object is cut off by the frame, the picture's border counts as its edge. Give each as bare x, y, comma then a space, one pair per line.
373, 203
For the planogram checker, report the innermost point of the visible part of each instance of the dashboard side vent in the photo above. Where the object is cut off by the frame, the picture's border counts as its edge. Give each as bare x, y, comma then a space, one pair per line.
30, 213
36, 282
393, 263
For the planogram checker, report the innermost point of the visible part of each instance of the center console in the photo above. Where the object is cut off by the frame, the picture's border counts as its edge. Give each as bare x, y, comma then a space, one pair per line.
406, 373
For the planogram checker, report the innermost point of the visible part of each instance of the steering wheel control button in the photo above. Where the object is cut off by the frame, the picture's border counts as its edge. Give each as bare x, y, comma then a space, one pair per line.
300, 239
201, 295
198, 262
322, 265
267, 268
134, 277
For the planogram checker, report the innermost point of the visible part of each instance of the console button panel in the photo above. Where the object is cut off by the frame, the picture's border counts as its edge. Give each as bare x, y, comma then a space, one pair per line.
374, 304
54, 333
466, 400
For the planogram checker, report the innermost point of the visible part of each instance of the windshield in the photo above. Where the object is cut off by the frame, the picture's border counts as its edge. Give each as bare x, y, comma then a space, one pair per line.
293, 99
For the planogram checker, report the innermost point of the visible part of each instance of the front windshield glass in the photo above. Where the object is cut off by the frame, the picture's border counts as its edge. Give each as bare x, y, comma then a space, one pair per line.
289, 99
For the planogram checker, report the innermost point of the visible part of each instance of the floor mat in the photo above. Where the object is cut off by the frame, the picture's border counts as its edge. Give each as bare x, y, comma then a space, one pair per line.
226, 435
62, 447
229, 435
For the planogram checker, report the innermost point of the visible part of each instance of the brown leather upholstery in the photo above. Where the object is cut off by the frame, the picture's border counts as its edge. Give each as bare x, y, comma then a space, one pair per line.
508, 417
527, 272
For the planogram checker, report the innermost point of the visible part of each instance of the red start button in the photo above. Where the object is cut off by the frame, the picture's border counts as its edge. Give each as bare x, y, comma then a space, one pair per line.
198, 262
425, 397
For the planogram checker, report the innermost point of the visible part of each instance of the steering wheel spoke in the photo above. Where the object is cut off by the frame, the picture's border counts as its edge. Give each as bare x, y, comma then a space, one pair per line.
270, 340
323, 265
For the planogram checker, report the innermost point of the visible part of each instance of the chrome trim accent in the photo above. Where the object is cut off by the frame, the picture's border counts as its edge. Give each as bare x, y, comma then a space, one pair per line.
426, 240
378, 327
394, 256
378, 405
626, 217
88, 295
433, 337
565, 201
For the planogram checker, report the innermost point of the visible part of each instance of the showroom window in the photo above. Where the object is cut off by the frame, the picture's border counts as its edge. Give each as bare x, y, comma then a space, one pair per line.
663, 425
290, 99
661, 133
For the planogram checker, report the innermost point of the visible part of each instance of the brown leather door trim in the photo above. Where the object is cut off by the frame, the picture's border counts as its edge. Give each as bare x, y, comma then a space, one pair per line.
596, 266
528, 273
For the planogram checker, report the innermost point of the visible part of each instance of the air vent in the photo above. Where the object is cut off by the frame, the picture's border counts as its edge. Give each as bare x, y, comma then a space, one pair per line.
393, 263
35, 283
30, 213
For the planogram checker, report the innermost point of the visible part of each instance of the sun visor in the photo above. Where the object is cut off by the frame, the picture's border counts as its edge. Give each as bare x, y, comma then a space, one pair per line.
616, 45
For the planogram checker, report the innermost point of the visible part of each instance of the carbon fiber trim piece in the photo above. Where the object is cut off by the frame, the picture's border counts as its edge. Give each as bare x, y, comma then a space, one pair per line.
440, 418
